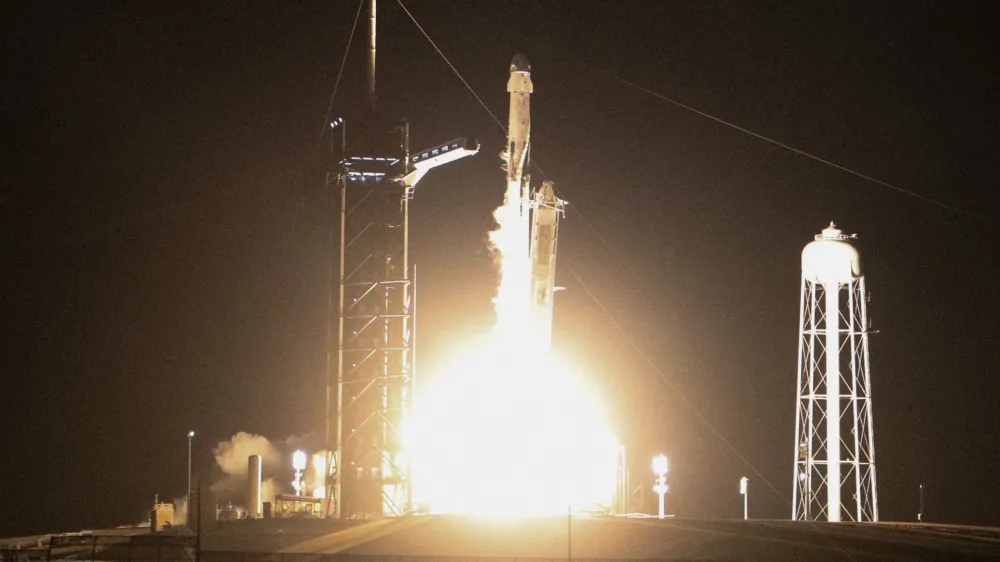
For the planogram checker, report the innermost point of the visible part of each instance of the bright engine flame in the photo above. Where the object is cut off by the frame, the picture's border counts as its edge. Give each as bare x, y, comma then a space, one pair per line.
505, 430
510, 244
501, 435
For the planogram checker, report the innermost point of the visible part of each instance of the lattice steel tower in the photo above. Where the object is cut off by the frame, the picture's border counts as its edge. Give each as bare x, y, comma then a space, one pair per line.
834, 436
374, 304
373, 384
370, 371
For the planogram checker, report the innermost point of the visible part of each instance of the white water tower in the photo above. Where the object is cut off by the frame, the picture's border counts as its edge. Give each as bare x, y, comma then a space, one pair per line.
834, 435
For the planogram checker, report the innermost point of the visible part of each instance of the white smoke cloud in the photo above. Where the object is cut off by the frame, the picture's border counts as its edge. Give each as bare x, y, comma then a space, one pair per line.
232, 455
315, 476
180, 510
267, 490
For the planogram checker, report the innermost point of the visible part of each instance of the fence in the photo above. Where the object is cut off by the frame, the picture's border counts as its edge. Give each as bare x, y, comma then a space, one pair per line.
172, 548
108, 548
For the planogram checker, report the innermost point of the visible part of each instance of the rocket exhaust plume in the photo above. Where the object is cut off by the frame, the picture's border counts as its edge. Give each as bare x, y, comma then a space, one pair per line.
505, 429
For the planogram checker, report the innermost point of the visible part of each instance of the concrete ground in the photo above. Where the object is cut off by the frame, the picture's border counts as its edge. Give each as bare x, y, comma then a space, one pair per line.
653, 539
456, 539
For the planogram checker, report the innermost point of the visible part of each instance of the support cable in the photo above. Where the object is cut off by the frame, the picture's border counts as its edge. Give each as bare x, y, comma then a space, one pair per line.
590, 68
453, 69
576, 210
744, 130
336, 85
670, 385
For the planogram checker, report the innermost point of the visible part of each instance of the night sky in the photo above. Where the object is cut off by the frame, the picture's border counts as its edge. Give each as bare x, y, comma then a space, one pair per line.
166, 252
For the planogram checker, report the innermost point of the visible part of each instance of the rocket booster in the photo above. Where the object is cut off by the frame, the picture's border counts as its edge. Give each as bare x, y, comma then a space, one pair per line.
518, 144
546, 210
519, 121
533, 217
517, 203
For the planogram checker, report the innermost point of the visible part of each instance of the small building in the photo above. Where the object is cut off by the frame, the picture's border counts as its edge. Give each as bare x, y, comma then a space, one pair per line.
287, 506
161, 517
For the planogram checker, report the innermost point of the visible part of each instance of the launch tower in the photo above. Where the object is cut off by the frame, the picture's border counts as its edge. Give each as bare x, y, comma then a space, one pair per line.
370, 374
834, 435
374, 304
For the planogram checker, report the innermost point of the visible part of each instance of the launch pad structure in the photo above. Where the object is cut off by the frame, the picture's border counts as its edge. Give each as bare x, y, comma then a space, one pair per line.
370, 370
374, 349
376, 305
371, 375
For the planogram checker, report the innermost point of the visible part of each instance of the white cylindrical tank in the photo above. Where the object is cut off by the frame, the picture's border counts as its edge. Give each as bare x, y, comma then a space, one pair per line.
255, 508
830, 259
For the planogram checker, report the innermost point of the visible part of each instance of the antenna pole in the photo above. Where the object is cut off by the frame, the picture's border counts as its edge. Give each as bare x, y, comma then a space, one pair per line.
920, 514
371, 54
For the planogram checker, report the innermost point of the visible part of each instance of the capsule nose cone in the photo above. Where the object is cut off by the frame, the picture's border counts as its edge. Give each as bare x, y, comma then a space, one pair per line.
520, 63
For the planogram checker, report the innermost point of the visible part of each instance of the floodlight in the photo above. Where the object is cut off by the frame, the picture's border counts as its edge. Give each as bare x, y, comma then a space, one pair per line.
659, 465
743, 491
299, 460
660, 469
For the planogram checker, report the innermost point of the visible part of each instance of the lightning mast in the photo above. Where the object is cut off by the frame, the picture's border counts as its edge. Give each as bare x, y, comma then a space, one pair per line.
834, 435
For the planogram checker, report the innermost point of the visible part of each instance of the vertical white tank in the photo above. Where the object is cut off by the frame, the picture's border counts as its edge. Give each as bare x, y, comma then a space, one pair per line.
255, 507
830, 260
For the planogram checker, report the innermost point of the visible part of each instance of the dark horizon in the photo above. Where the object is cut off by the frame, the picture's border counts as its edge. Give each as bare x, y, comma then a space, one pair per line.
168, 230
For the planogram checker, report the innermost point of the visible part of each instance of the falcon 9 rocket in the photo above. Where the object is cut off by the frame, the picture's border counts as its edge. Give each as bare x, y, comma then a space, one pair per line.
536, 213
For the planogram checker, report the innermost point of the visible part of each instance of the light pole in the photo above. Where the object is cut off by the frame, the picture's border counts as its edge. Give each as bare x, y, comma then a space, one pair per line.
189, 512
920, 514
299, 461
660, 470
743, 492
569, 531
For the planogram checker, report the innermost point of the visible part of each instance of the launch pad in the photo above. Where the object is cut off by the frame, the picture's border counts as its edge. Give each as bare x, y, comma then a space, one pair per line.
371, 375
